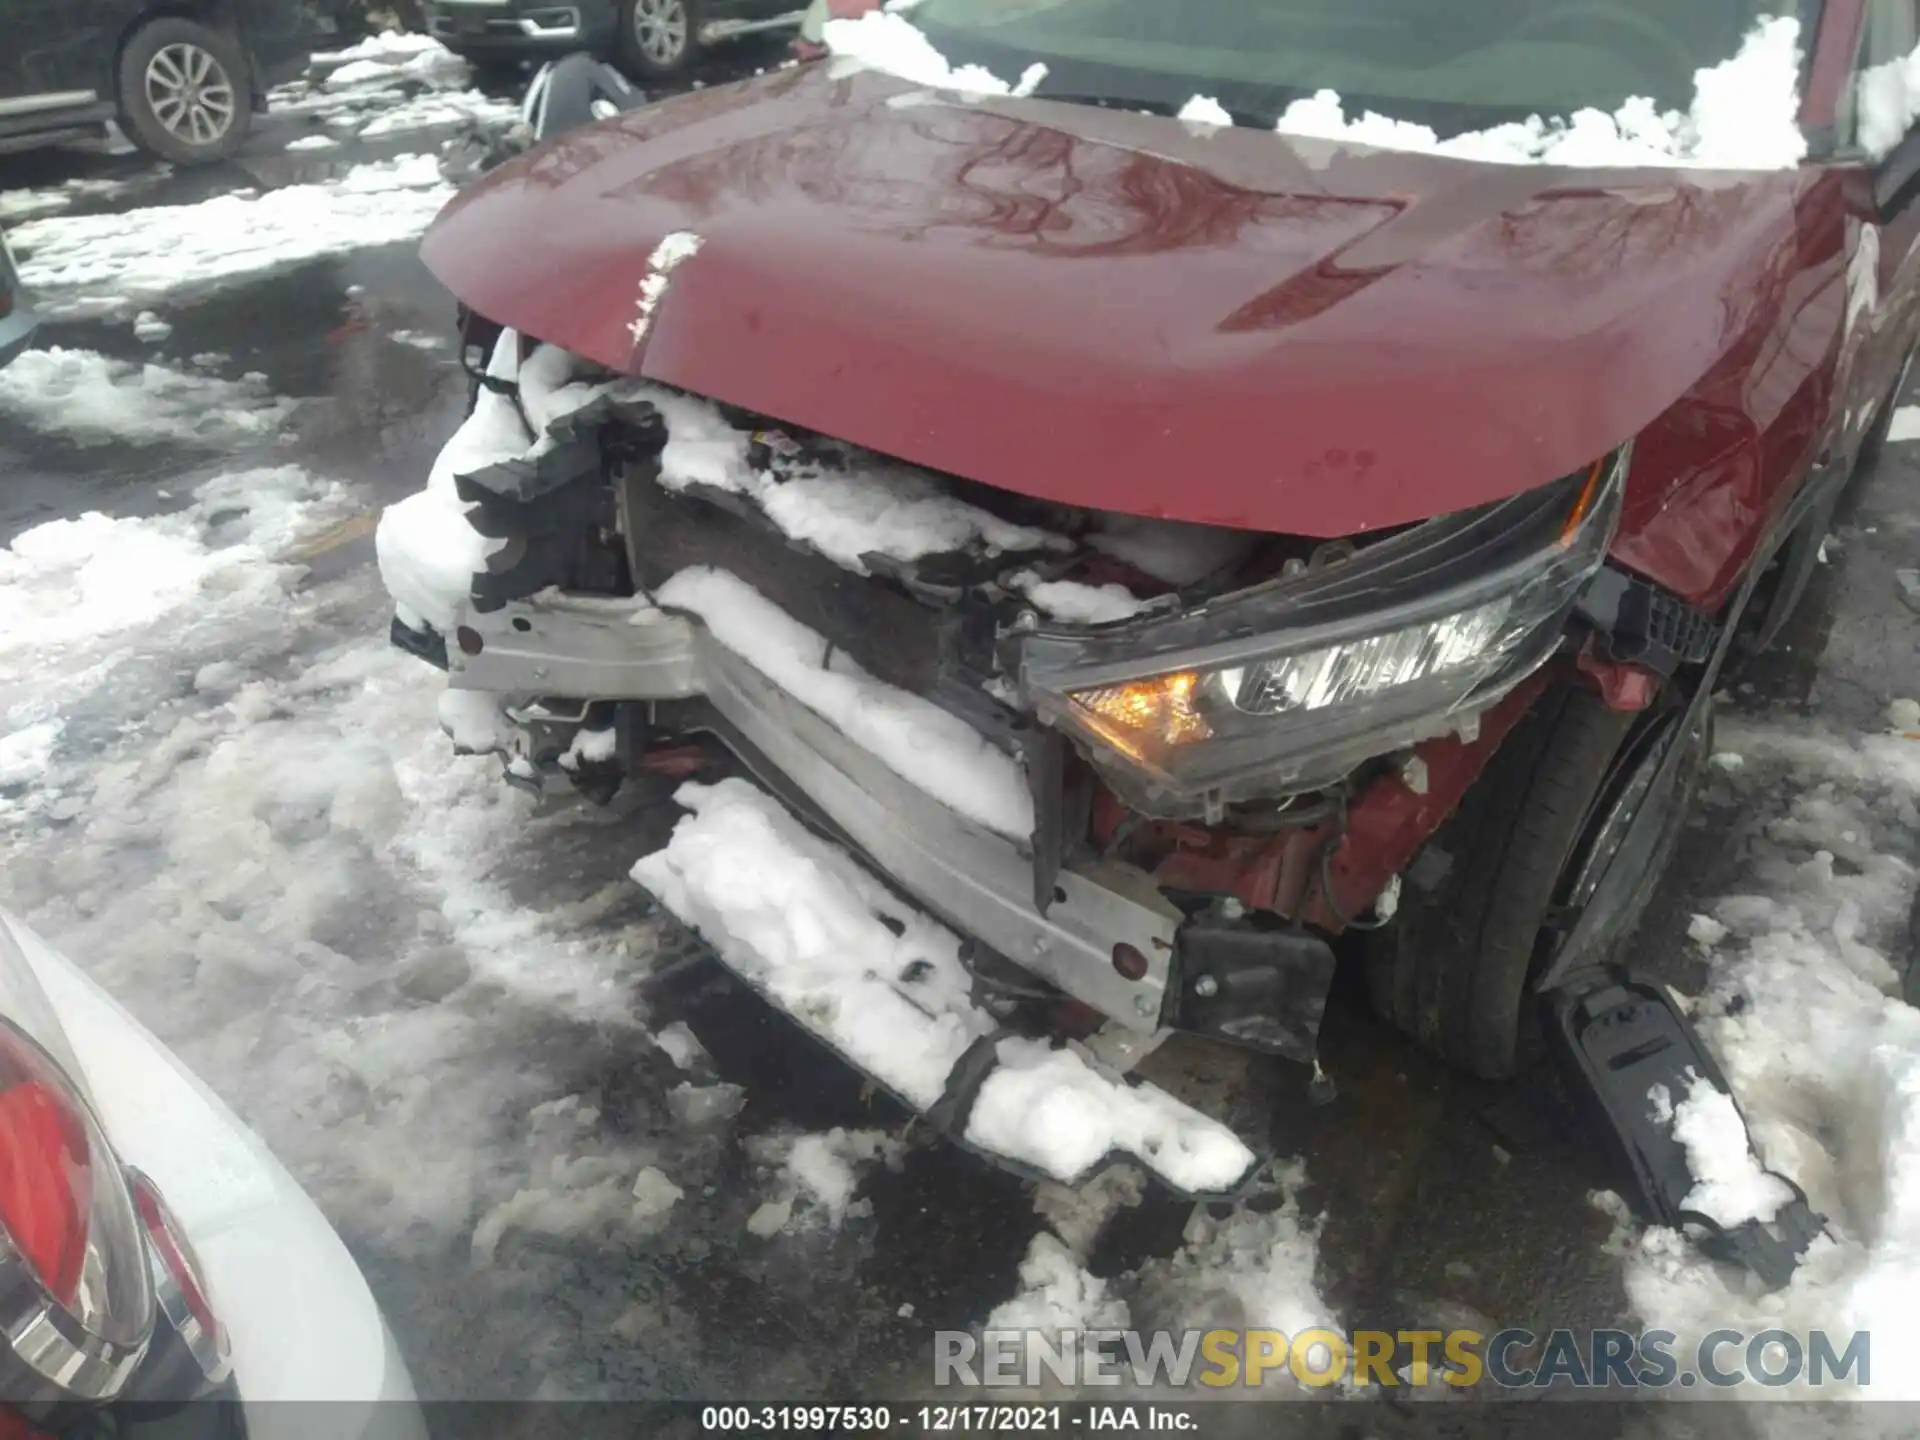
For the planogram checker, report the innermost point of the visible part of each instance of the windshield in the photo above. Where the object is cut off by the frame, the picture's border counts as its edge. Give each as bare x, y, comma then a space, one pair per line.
1452, 64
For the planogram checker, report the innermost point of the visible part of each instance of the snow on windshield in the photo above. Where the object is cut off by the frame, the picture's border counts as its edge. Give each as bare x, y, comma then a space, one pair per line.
884, 41
1744, 114
1889, 103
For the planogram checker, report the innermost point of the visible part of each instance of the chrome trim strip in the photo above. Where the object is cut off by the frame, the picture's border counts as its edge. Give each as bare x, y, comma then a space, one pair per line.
566, 31
591, 647
49, 100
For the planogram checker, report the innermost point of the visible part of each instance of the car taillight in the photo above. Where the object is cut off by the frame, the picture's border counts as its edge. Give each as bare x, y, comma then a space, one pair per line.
76, 1298
46, 1183
178, 1282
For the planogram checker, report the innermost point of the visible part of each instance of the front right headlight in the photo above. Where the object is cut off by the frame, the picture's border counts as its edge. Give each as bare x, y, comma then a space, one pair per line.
1288, 686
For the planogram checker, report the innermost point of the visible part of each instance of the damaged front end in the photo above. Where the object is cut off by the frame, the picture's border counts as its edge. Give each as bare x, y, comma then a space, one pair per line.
1147, 773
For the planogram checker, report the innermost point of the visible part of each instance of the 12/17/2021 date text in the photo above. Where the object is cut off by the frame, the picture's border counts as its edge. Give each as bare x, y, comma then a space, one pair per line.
848, 1420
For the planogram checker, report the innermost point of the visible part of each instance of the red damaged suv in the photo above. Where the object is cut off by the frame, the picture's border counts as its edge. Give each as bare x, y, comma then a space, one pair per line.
1337, 545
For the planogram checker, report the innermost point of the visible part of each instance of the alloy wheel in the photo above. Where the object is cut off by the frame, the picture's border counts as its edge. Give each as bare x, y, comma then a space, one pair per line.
190, 93
660, 29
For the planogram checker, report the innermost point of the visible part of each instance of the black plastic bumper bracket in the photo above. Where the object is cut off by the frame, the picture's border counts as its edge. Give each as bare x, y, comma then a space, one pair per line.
1645, 625
1253, 983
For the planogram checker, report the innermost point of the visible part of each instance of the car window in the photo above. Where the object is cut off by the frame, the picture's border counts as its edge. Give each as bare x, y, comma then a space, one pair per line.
1890, 34
1892, 31
1466, 62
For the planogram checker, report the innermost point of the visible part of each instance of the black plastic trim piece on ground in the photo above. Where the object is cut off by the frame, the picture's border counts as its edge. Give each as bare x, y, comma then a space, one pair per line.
1619, 1038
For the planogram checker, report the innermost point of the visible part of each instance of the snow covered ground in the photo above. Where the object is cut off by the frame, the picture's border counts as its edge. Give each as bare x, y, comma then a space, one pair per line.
1802, 1010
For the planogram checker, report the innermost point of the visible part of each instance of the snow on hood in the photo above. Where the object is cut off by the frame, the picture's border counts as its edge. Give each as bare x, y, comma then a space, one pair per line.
1744, 114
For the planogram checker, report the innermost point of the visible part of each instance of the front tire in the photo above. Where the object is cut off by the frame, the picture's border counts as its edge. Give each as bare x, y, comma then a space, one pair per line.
1456, 968
185, 92
658, 38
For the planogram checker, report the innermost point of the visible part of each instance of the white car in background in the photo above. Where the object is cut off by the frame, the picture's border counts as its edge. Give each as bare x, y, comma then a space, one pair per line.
153, 1250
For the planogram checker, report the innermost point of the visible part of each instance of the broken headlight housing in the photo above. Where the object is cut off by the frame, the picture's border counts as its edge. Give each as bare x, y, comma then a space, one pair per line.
1286, 687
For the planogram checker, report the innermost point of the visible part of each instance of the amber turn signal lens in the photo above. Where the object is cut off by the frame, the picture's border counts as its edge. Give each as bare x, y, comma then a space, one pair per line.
1159, 710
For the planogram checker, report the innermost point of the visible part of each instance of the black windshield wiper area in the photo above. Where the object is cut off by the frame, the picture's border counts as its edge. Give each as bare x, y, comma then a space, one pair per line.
1250, 119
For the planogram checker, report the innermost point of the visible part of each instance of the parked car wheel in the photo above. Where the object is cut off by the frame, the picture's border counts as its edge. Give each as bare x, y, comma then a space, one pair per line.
658, 37
1527, 852
184, 92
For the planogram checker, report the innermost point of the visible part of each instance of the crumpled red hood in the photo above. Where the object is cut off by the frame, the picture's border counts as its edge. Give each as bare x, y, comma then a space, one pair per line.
1124, 311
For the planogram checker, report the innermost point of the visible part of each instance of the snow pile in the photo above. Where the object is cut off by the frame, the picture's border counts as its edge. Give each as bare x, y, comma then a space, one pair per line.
19, 205
1729, 1185
937, 751
577, 1197
92, 400
881, 40
1048, 1108
68, 584
682, 1046
1744, 116
1059, 1299
1205, 110
882, 983
800, 920
1824, 1060
881, 508
1172, 551
117, 264
1888, 104
428, 553
872, 507
818, 1176
24, 753
293, 883
437, 109
1078, 604
386, 86
566, 1196
389, 47
1250, 1269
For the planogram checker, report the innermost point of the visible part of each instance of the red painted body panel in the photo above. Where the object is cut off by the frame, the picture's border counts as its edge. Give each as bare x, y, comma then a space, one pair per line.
1109, 309
1289, 871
